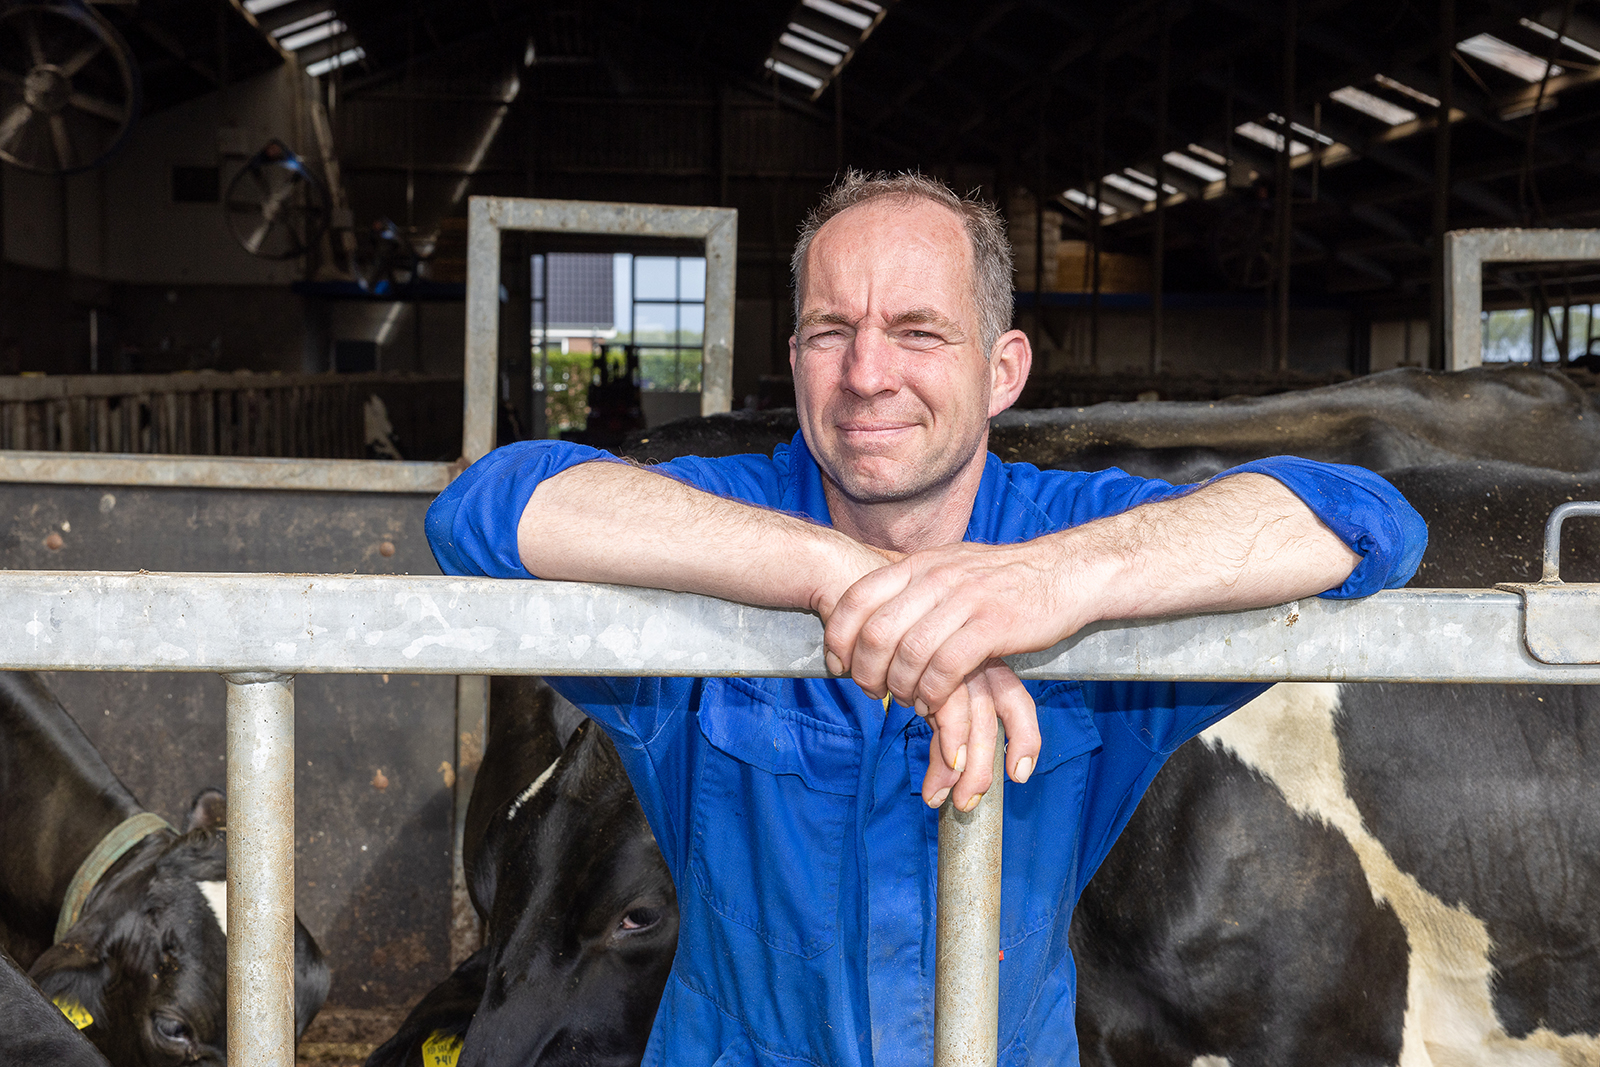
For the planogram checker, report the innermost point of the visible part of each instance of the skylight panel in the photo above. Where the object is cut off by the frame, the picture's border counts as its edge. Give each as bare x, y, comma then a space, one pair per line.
1305, 131
1507, 57
343, 59
1545, 31
1204, 171
815, 51
1373, 106
1084, 200
1205, 153
1270, 138
851, 15
1132, 188
316, 33
1405, 90
1139, 175
810, 81
822, 39
299, 24
261, 7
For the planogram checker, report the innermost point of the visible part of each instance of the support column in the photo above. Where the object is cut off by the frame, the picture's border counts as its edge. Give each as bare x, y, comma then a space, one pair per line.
966, 1004
472, 732
260, 870
1439, 318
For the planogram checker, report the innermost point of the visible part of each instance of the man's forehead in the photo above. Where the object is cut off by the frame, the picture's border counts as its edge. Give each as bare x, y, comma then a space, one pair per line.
900, 253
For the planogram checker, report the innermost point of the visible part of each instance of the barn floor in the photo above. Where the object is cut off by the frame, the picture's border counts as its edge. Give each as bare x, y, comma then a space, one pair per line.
344, 1037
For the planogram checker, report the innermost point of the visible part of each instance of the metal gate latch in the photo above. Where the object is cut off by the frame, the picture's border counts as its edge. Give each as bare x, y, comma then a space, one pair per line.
1560, 621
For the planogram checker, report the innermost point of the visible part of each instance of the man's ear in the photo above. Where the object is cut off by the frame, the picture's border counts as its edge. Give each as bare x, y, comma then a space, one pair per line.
1009, 364
207, 811
793, 351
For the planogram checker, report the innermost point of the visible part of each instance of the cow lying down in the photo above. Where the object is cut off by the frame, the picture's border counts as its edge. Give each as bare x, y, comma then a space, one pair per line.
119, 918
580, 915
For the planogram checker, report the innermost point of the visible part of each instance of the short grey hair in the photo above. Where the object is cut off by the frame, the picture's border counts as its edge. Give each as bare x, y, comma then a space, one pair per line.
986, 233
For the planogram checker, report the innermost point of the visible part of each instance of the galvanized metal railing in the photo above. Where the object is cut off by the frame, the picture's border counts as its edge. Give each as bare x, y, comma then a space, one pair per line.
435, 625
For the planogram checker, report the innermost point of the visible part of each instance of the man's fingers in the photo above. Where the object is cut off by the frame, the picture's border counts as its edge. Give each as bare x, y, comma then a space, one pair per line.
951, 723
916, 648
977, 772
936, 784
842, 629
1015, 708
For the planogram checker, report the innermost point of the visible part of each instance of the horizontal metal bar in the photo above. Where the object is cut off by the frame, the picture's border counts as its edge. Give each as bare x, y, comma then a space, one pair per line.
237, 472
318, 624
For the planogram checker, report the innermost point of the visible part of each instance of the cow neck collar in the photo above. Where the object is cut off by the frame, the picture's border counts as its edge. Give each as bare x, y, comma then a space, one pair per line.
112, 847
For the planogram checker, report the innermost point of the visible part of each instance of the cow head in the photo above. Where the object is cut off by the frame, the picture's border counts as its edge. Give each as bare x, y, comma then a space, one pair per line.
147, 959
584, 921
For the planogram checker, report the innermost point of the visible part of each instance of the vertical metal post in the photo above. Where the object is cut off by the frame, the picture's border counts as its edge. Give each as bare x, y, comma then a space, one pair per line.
1285, 192
1440, 311
472, 731
1158, 251
966, 1005
260, 870
483, 329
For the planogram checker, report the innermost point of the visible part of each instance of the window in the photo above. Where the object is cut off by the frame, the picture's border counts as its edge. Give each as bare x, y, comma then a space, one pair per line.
668, 321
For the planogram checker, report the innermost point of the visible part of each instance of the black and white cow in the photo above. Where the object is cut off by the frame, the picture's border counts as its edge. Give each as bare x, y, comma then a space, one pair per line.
140, 962
581, 918
1358, 874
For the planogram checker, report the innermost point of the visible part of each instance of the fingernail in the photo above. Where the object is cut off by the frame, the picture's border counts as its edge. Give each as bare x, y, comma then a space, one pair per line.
1024, 768
939, 798
961, 760
921, 708
833, 663
972, 802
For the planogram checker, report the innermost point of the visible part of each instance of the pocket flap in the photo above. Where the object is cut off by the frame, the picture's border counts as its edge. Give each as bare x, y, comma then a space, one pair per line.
745, 724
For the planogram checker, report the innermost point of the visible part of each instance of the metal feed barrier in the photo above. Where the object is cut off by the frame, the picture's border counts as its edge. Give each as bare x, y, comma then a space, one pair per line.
440, 625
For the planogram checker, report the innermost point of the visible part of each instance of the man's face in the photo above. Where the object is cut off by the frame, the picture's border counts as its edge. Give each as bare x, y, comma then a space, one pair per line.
892, 385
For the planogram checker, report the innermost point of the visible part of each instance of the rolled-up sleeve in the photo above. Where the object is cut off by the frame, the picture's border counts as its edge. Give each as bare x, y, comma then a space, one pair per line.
1363, 510
472, 525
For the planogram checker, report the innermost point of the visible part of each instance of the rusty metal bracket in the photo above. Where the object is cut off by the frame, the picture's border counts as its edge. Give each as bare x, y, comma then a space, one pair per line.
1560, 620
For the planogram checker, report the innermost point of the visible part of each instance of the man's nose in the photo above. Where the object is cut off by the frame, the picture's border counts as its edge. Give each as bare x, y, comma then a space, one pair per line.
871, 365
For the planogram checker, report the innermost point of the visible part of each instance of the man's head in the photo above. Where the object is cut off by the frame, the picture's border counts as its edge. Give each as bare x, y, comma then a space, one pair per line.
903, 294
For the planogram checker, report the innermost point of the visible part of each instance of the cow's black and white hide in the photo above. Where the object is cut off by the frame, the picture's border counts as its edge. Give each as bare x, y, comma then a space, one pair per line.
581, 917
147, 957
1358, 874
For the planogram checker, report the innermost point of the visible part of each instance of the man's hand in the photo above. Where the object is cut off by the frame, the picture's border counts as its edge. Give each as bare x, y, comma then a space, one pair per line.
930, 628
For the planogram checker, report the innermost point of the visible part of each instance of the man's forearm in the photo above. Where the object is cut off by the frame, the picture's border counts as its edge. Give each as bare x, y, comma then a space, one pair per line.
1245, 541
613, 522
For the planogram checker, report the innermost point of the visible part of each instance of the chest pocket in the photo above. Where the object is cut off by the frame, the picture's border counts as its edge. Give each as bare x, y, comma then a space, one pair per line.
1044, 816
773, 806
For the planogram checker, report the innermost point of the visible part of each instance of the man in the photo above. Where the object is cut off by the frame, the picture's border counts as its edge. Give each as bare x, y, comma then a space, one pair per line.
787, 809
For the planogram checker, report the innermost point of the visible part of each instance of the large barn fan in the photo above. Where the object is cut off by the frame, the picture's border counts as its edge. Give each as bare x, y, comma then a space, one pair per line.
277, 208
69, 90
1244, 244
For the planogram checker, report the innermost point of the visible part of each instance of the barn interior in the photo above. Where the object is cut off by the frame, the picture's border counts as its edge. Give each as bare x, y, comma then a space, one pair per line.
240, 228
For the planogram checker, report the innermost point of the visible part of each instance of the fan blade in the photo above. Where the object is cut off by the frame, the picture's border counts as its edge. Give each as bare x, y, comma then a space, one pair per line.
35, 49
81, 58
104, 109
63, 143
253, 244
12, 124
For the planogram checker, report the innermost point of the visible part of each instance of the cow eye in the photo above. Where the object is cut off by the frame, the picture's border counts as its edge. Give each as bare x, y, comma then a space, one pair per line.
171, 1028
639, 919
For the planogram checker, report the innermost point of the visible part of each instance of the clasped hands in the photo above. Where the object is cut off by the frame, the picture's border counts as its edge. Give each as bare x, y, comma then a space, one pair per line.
930, 628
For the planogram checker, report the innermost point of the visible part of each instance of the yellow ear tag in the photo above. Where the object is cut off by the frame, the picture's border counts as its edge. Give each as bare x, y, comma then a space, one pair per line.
77, 1014
441, 1050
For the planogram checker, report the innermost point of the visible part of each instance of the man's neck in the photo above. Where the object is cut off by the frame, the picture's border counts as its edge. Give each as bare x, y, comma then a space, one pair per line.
937, 517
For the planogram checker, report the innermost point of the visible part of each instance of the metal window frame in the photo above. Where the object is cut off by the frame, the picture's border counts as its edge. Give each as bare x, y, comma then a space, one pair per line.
1465, 253
488, 216
441, 625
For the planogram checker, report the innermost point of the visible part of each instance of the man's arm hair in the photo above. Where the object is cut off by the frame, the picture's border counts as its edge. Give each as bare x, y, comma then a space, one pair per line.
614, 522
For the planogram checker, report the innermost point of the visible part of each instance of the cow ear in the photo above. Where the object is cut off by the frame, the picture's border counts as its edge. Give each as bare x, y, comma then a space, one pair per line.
207, 811
311, 978
73, 977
